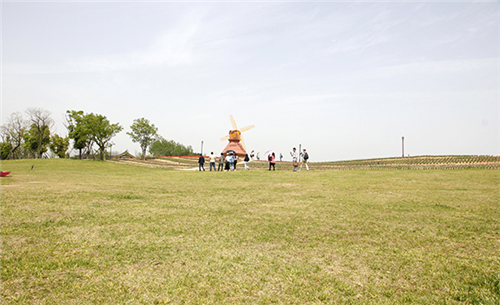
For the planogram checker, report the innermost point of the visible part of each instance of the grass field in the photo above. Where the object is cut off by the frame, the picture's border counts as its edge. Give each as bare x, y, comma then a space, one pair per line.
86, 232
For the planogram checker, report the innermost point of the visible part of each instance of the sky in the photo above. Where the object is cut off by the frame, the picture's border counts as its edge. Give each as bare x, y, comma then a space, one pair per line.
345, 80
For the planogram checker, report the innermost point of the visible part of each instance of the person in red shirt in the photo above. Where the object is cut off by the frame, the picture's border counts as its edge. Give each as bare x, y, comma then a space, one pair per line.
272, 161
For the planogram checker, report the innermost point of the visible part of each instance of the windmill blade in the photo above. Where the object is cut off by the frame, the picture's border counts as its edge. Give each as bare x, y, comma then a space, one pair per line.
233, 122
224, 138
243, 143
247, 128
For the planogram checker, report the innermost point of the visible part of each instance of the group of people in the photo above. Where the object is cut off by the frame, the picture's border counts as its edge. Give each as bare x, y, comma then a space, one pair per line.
252, 155
304, 156
226, 163
229, 162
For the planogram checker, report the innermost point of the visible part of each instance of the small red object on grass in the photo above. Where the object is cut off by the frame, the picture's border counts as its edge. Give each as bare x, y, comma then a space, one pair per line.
3, 174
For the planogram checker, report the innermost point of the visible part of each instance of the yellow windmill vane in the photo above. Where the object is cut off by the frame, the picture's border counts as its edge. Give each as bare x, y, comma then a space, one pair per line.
236, 142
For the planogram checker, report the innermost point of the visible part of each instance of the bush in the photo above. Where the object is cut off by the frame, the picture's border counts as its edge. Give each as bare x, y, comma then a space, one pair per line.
5, 150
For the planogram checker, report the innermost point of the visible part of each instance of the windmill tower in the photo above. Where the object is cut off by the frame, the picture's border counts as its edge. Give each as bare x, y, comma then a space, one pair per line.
236, 142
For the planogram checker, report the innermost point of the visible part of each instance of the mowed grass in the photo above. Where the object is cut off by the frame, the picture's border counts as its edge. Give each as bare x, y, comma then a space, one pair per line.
83, 232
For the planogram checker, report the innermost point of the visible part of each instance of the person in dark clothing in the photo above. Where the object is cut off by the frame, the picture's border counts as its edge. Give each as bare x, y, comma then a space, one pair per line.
228, 162
221, 162
201, 161
235, 160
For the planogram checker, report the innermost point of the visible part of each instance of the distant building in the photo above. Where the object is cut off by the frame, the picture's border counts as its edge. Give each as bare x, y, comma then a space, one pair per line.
123, 155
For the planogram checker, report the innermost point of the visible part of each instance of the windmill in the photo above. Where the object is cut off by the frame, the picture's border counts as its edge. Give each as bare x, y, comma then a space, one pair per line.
236, 142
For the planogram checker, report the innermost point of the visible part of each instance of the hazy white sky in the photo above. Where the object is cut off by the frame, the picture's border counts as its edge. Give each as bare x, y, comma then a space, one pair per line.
345, 79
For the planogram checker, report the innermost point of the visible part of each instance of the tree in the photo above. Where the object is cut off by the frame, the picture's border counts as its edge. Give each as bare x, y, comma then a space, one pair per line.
14, 132
39, 132
163, 147
59, 145
143, 133
78, 131
5, 150
100, 130
37, 139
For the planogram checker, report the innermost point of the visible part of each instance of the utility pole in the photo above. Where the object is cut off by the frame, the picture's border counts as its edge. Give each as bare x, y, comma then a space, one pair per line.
202, 148
300, 151
403, 146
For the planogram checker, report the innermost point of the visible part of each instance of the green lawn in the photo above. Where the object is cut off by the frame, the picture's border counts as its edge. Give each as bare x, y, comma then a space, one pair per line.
86, 232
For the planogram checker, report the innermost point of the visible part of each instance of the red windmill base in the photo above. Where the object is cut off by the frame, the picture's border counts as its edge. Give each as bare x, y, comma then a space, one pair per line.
234, 144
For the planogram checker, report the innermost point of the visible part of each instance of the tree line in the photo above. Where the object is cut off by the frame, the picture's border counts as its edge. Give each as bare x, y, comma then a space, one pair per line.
90, 135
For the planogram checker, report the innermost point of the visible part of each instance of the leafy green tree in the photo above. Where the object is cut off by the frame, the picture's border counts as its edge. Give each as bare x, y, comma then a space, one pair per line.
89, 129
163, 147
14, 132
59, 145
143, 133
5, 150
100, 130
37, 139
78, 131
39, 133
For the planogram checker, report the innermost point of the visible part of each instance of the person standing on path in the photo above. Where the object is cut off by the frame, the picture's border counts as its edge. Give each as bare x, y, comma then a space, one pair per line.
295, 159
228, 162
201, 162
272, 161
235, 160
246, 162
305, 158
281, 157
221, 162
212, 161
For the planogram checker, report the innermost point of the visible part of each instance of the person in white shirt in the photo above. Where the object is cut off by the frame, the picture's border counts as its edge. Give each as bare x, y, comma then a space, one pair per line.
229, 162
212, 161
295, 159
